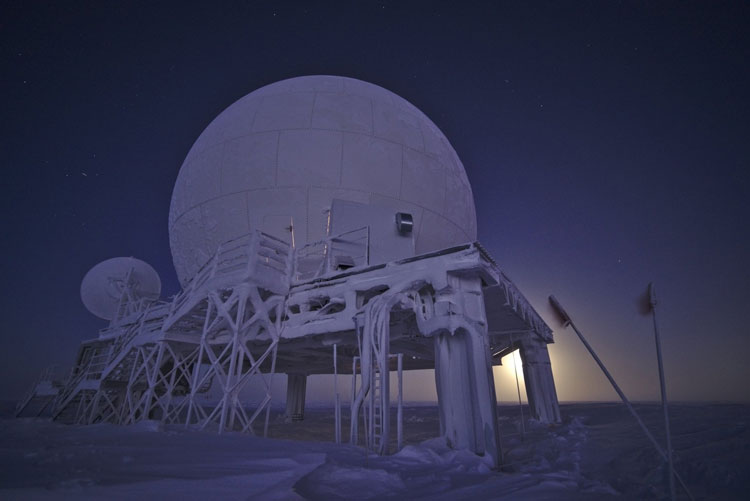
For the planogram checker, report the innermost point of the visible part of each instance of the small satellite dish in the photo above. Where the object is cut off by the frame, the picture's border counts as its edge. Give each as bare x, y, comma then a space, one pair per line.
104, 284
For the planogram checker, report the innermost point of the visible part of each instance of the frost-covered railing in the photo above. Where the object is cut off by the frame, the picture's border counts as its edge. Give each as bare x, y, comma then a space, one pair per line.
514, 298
106, 356
151, 320
272, 253
98, 363
248, 255
127, 307
346, 250
69, 390
520, 305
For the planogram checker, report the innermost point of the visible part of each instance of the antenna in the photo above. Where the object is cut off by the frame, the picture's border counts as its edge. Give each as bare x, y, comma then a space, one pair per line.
114, 281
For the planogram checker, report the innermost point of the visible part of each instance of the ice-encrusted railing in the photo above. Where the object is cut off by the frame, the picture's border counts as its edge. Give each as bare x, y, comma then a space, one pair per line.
150, 320
346, 250
520, 305
516, 300
241, 254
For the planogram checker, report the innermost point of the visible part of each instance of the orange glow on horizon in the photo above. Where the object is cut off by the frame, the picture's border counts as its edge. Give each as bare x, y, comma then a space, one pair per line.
506, 389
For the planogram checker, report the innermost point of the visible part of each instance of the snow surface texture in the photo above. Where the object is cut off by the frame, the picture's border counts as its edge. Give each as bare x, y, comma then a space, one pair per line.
277, 158
597, 453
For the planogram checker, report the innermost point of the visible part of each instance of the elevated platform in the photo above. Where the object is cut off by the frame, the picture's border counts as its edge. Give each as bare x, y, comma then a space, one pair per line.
258, 307
321, 310
320, 307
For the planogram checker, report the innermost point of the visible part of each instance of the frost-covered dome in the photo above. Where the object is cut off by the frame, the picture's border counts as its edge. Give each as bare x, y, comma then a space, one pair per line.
285, 151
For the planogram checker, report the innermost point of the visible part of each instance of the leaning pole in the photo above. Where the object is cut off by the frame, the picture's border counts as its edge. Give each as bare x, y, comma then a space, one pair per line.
566, 321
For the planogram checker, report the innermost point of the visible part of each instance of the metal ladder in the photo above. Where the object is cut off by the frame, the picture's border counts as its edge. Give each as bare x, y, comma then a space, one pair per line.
376, 408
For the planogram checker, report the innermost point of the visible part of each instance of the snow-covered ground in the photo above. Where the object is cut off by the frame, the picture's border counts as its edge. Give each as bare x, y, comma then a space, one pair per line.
597, 453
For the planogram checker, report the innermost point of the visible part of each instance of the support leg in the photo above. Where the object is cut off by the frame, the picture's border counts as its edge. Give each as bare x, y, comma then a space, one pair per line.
463, 369
466, 394
540, 385
296, 387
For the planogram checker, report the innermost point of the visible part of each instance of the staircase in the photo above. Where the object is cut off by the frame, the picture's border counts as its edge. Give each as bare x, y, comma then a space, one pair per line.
112, 363
34, 405
70, 396
40, 396
123, 353
71, 413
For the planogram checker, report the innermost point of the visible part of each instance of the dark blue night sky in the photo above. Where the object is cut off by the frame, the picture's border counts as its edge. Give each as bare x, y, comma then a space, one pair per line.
606, 143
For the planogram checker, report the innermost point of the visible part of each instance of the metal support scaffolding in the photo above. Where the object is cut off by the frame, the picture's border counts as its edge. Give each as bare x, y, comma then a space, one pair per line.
158, 359
232, 325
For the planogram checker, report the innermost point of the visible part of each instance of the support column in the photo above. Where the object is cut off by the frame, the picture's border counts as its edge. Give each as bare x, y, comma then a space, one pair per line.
466, 399
296, 387
537, 375
463, 371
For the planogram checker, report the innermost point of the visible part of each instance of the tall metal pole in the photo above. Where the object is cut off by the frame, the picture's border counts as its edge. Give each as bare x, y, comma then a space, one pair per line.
337, 410
567, 321
518, 388
352, 416
664, 404
400, 411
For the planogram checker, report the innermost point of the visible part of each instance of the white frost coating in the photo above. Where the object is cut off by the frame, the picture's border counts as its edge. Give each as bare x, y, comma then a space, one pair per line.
574, 460
539, 381
109, 286
290, 148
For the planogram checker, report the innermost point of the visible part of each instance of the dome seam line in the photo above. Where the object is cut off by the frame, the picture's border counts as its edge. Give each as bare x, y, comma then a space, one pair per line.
370, 134
307, 188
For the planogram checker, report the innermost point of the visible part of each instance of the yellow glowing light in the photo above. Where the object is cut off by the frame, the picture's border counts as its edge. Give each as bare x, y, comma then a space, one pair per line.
505, 378
512, 364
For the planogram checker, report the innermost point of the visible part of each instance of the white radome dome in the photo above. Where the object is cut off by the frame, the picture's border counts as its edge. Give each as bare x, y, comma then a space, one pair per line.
289, 148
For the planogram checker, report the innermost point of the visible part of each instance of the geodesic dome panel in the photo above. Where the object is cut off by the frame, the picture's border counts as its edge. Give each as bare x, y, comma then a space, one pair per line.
275, 160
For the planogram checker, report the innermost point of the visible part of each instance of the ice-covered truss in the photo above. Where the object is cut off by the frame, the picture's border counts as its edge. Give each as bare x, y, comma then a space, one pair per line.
258, 307
153, 363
